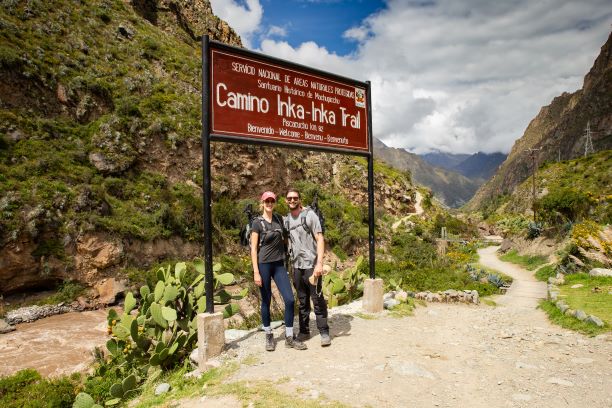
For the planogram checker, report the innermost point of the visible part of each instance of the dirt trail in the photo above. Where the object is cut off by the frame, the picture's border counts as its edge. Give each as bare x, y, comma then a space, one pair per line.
526, 290
445, 355
417, 204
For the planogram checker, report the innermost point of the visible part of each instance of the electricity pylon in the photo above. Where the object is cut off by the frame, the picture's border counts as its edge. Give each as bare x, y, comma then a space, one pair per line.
588, 144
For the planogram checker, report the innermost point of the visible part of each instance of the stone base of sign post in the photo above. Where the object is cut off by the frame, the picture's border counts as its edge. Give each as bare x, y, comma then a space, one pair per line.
373, 296
211, 337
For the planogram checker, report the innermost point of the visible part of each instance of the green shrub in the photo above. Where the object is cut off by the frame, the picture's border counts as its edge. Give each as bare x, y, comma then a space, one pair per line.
527, 261
9, 57
67, 292
545, 272
453, 226
564, 204
569, 322
27, 389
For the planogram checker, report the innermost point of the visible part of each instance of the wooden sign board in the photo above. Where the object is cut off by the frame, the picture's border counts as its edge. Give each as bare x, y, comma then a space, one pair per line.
258, 98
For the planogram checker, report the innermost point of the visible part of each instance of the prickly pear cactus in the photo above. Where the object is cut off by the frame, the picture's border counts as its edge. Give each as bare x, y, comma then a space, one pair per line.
160, 328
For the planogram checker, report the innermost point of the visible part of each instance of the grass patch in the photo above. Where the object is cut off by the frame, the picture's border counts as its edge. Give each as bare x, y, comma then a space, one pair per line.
527, 261
366, 316
593, 297
264, 394
545, 272
250, 360
67, 292
181, 387
488, 302
569, 322
27, 389
403, 309
213, 383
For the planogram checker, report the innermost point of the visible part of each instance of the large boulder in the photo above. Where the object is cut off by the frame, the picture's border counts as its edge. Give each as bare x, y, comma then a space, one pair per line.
108, 290
22, 269
506, 245
96, 252
5, 327
600, 272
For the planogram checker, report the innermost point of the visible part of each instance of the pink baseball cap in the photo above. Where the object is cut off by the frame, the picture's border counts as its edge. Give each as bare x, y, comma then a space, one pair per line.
268, 194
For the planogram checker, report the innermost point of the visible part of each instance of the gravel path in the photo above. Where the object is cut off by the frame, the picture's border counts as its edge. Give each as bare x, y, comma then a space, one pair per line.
445, 355
525, 292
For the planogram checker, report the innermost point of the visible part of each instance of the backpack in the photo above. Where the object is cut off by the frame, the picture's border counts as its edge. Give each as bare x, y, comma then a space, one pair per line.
317, 210
314, 207
245, 232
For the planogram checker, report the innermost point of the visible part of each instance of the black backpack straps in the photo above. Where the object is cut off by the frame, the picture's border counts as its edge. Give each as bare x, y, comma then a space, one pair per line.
264, 230
278, 219
304, 223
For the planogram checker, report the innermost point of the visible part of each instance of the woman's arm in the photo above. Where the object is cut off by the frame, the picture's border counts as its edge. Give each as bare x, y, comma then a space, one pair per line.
254, 260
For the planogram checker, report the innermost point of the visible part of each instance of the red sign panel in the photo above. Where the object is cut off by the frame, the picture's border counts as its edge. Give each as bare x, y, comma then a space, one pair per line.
258, 99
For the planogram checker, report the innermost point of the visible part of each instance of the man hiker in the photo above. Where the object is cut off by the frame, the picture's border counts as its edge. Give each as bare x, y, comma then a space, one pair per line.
306, 256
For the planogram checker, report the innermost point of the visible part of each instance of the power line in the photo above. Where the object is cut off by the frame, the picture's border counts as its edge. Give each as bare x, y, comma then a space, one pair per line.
533, 180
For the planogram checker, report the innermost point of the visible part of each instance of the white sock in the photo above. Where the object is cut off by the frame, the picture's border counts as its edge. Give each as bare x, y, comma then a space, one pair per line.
289, 331
268, 329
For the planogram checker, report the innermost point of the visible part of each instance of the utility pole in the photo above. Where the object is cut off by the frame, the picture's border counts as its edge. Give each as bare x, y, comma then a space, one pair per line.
533, 180
588, 144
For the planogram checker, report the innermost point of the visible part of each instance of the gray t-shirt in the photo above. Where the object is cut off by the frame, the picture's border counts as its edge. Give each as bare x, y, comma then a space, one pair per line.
303, 245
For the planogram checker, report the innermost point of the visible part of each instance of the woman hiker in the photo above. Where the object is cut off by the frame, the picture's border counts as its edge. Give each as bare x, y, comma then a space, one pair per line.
268, 255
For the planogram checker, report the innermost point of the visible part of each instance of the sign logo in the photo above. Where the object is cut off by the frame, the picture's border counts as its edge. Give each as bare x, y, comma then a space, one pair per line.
360, 100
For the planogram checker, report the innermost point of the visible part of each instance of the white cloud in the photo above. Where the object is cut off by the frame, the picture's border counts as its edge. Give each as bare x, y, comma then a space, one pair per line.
356, 33
276, 31
245, 19
464, 75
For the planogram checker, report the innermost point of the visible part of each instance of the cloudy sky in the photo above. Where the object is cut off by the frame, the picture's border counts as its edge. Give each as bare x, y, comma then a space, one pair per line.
458, 76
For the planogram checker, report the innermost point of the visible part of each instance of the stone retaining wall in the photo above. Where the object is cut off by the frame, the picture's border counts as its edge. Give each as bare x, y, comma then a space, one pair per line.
553, 294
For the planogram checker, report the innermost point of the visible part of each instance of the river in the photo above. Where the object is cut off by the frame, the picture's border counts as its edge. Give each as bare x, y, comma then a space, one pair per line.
55, 346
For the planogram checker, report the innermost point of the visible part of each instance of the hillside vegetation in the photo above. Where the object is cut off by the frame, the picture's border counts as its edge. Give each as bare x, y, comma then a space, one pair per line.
573, 212
100, 156
100, 146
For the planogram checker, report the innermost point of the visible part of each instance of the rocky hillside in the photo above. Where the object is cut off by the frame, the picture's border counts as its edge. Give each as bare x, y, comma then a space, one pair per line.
449, 187
557, 132
100, 153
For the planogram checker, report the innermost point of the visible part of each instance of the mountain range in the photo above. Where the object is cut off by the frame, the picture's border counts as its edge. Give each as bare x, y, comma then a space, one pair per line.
477, 166
449, 187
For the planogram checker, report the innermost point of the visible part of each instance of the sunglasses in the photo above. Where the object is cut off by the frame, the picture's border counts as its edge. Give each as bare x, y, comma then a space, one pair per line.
293, 198
270, 200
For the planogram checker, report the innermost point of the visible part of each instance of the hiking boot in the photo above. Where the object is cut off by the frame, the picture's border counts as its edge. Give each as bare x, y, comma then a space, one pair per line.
291, 342
270, 344
303, 336
325, 339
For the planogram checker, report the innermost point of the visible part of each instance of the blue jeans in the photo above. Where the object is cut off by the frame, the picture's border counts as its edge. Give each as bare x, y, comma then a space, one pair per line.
275, 270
